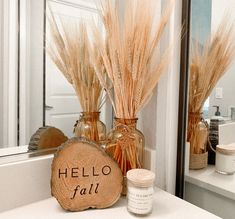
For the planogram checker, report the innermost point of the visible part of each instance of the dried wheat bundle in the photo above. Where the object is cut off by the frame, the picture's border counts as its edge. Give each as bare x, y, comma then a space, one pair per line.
130, 53
207, 66
70, 49
133, 64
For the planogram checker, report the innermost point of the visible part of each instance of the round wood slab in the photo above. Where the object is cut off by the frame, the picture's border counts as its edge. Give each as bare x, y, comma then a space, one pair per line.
84, 176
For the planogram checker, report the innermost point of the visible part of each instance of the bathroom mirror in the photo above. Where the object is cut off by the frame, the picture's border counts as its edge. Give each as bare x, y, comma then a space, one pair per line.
40, 94
206, 187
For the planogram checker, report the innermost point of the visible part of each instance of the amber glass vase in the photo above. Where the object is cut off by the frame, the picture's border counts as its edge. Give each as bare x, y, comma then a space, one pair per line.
90, 127
126, 146
198, 138
197, 133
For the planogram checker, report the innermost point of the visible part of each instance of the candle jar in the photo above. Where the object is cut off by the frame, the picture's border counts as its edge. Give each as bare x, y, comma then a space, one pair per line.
225, 159
126, 146
140, 191
90, 127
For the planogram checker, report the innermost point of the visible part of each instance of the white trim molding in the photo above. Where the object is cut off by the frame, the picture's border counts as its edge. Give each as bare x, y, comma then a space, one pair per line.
31, 67
24, 70
1, 74
10, 71
167, 104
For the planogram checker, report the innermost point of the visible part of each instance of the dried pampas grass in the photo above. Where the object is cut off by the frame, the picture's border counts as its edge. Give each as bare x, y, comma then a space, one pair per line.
207, 66
70, 49
130, 54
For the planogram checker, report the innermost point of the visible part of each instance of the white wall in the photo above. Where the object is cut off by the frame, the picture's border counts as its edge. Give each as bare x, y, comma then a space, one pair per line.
219, 9
1, 75
227, 84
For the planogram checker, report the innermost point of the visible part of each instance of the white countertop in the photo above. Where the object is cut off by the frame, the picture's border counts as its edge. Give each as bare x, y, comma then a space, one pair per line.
166, 206
209, 179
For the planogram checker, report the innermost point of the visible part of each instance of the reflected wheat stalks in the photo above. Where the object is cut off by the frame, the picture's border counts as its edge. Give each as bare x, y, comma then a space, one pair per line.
207, 66
70, 49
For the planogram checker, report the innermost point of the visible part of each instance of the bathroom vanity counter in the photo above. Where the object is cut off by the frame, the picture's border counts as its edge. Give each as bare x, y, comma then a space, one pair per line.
212, 191
209, 179
166, 206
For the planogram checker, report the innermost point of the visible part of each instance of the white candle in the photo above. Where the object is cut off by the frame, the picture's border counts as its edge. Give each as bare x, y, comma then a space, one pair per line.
140, 191
225, 159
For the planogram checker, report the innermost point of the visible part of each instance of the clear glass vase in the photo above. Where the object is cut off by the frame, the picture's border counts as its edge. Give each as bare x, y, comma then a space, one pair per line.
90, 127
125, 143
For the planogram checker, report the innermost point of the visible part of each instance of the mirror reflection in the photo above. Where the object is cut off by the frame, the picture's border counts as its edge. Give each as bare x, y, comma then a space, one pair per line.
43, 96
210, 147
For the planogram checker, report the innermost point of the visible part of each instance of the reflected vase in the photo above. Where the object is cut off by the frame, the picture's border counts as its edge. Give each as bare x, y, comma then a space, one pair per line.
90, 127
198, 138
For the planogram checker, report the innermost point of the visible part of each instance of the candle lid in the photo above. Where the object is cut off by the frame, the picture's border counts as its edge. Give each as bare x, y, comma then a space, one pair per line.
141, 177
226, 149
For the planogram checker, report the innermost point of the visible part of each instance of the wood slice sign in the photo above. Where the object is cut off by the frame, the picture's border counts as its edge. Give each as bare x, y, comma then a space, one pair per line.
84, 176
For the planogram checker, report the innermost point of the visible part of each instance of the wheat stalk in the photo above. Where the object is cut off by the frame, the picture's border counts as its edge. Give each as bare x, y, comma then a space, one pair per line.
207, 66
129, 53
70, 49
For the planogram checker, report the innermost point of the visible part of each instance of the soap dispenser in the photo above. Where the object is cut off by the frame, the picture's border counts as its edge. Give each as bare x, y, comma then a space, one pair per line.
217, 113
233, 113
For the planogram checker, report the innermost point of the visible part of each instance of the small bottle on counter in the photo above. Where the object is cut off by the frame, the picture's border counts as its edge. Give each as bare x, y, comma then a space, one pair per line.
140, 191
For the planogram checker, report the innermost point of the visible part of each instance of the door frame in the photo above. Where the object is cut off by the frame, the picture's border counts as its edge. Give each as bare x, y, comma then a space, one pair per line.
32, 47
10, 71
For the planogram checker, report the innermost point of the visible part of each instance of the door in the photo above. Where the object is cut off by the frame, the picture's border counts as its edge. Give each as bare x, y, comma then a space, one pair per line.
62, 105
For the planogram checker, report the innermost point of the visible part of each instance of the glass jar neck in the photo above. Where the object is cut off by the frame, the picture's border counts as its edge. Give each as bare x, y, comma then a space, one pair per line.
131, 123
90, 116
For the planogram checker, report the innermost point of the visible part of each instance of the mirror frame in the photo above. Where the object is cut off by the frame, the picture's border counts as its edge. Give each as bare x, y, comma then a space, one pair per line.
183, 98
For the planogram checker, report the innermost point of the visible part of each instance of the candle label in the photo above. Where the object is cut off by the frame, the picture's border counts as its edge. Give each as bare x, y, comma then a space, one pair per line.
140, 200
